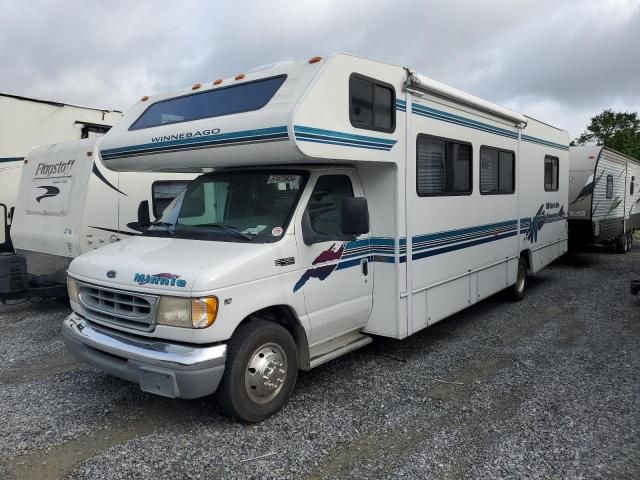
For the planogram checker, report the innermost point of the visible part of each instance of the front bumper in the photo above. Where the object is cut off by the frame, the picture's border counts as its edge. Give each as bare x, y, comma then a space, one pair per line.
169, 369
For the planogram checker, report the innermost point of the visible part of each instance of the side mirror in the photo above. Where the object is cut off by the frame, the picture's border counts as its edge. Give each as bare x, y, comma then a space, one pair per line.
143, 214
355, 216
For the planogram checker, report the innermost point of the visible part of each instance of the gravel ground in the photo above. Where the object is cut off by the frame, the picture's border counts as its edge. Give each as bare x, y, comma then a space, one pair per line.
545, 388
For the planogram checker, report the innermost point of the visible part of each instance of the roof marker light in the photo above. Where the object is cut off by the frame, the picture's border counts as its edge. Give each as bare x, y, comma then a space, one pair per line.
218, 81
240, 76
315, 59
196, 86
145, 98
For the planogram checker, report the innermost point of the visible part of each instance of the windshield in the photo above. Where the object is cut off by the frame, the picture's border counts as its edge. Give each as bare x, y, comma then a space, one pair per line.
233, 206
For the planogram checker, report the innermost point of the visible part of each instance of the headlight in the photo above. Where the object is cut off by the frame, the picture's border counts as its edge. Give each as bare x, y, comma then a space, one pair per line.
187, 312
72, 289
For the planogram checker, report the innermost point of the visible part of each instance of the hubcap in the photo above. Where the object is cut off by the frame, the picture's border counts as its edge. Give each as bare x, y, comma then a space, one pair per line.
266, 373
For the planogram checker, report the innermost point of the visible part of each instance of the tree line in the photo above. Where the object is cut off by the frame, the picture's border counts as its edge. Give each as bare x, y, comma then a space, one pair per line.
617, 130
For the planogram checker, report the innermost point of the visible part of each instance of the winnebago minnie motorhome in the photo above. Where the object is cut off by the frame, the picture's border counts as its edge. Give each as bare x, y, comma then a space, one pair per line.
26, 123
69, 203
605, 197
350, 198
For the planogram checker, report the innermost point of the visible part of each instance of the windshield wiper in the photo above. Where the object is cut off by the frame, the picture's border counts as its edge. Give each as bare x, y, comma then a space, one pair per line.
230, 229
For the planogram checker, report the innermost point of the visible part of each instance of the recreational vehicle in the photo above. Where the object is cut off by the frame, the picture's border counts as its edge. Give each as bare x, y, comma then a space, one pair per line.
69, 203
605, 197
26, 123
350, 198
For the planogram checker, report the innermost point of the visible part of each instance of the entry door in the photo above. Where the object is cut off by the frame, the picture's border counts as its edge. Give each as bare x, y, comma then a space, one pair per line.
336, 278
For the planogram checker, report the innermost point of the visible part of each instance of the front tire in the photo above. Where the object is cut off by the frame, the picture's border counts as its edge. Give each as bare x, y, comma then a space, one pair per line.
629, 241
519, 288
261, 371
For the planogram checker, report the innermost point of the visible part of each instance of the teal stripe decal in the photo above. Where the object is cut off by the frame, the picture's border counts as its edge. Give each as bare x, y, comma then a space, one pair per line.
332, 137
200, 141
546, 143
424, 111
443, 116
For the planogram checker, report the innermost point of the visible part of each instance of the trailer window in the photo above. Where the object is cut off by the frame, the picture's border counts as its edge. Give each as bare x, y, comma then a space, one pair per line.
218, 102
609, 186
325, 205
371, 104
443, 166
631, 188
497, 169
551, 172
163, 192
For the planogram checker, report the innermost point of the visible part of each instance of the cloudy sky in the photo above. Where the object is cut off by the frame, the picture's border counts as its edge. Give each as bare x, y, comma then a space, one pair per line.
560, 61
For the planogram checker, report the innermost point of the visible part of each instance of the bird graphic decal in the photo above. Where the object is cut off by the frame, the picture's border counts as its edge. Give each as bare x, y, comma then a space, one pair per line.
323, 271
50, 191
588, 187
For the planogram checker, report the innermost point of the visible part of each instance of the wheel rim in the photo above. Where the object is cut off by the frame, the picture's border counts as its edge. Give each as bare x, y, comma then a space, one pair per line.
266, 373
522, 276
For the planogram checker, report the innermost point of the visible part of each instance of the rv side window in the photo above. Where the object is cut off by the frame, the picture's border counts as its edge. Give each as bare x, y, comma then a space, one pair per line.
371, 104
443, 166
497, 169
325, 205
163, 192
632, 185
551, 172
609, 186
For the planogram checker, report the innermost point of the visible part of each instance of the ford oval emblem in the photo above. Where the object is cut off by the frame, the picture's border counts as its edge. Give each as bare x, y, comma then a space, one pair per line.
111, 274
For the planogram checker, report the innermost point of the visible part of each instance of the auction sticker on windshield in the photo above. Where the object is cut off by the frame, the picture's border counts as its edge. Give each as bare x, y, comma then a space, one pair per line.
276, 232
282, 179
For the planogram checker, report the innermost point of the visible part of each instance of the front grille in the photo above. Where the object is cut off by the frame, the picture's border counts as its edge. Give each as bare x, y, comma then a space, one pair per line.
118, 307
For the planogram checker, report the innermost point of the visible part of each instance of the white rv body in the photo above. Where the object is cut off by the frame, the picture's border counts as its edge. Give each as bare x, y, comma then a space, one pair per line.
26, 123
70, 203
426, 255
604, 196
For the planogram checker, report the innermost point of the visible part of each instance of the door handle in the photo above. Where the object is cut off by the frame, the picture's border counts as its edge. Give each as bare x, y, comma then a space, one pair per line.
365, 267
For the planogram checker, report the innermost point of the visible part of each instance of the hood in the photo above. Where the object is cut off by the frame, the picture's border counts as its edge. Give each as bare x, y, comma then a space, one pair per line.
180, 266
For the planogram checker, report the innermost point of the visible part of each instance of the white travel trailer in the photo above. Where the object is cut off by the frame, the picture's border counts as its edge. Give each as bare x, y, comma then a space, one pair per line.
26, 123
604, 192
70, 203
351, 198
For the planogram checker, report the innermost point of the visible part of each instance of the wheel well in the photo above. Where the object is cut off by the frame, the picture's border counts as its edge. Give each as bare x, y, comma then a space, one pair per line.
526, 256
284, 315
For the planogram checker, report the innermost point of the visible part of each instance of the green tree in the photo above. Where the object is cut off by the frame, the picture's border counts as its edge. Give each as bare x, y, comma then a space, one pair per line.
617, 130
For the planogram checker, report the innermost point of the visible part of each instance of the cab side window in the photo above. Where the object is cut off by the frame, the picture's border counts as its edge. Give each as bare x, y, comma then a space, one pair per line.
325, 205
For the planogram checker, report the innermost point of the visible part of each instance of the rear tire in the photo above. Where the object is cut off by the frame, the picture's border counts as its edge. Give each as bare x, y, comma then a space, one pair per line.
629, 241
621, 244
518, 289
261, 371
